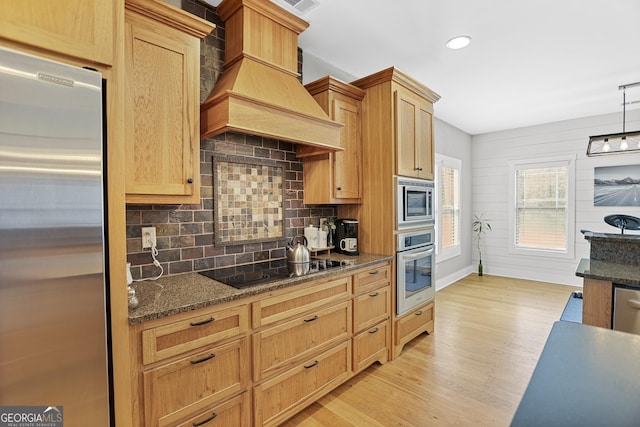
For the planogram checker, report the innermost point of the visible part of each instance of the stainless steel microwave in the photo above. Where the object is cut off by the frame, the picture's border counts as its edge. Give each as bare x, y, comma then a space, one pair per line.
414, 202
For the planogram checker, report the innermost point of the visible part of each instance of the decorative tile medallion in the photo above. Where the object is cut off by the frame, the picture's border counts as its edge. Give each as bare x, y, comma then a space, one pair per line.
249, 200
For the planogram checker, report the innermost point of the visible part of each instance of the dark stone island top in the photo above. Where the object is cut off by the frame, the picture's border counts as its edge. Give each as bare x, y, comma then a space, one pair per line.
190, 291
628, 274
613, 258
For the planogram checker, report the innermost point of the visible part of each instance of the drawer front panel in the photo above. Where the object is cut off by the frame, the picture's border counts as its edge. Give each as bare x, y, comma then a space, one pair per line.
178, 337
414, 323
371, 308
371, 278
195, 382
370, 346
282, 396
316, 294
234, 412
280, 346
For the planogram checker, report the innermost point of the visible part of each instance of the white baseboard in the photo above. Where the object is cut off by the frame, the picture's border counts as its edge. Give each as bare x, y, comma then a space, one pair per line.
569, 278
443, 282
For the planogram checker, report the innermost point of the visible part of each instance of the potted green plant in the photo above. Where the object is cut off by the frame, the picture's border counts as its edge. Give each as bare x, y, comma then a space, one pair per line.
480, 226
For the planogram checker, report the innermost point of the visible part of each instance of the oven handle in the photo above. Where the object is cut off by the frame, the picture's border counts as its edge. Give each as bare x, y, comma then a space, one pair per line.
416, 255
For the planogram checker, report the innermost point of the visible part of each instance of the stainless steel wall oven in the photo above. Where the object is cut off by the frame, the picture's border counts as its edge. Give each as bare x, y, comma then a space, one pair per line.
415, 265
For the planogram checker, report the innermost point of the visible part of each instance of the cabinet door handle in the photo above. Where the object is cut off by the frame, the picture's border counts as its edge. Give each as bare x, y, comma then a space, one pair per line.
312, 365
215, 414
375, 294
339, 188
418, 169
373, 331
375, 272
190, 180
203, 322
419, 313
204, 359
312, 319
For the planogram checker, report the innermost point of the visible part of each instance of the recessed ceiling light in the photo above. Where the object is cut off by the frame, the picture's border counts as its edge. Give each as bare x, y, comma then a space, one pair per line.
459, 42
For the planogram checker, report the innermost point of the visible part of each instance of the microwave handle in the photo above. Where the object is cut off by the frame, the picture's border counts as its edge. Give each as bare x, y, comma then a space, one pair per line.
418, 255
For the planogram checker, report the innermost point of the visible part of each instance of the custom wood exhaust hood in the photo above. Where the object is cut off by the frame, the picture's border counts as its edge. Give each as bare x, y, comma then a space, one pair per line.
259, 92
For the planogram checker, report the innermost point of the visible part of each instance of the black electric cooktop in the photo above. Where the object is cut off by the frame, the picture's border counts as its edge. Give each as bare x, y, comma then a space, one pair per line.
259, 273
244, 276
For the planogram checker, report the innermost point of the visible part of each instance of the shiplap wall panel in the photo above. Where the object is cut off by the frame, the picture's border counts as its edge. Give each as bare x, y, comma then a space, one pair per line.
492, 153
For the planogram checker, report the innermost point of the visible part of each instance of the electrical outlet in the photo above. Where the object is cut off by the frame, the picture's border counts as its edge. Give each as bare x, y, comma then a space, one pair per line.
148, 237
322, 220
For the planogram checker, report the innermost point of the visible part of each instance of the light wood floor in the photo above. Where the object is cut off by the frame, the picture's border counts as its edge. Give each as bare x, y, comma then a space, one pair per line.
472, 371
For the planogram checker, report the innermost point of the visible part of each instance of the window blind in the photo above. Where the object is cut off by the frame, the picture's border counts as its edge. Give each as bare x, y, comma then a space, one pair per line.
450, 206
541, 207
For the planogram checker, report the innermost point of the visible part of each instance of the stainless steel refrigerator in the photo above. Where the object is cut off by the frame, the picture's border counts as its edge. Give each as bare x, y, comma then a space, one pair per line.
54, 350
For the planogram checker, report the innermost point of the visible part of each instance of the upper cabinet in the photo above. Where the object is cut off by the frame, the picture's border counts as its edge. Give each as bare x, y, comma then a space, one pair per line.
335, 177
81, 29
403, 109
414, 135
162, 106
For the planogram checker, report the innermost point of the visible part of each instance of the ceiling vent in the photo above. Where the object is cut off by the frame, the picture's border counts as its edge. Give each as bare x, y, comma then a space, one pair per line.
301, 6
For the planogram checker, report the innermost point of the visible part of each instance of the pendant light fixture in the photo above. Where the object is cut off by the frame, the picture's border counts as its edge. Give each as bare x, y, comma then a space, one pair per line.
616, 143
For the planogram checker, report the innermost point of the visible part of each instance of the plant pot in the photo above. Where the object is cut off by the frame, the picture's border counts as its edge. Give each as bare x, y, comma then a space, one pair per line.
480, 268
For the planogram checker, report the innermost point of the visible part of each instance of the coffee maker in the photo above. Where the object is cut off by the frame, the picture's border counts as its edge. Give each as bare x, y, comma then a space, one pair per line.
346, 237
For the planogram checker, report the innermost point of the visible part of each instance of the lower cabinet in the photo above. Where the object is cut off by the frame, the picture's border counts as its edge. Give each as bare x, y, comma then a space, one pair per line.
279, 398
259, 360
412, 324
371, 346
234, 412
196, 382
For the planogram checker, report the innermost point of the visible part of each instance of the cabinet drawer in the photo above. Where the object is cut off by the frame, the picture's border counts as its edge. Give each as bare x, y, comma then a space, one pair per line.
414, 323
282, 396
313, 295
371, 278
370, 346
371, 308
178, 337
194, 383
280, 346
234, 412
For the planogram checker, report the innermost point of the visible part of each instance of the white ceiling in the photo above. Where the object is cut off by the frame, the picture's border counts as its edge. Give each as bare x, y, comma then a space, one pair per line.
529, 62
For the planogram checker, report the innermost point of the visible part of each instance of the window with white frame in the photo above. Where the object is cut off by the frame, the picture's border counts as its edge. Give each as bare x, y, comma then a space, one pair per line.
542, 216
447, 184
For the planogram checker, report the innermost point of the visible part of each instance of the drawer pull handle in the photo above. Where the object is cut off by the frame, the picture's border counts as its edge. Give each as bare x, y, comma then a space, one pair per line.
215, 414
375, 272
204, 359
312, 319
373, 331
312, 365
375, 294
203, 322
419, 313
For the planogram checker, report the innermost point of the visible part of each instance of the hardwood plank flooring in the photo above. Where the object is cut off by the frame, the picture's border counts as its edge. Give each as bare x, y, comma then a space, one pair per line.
472, 371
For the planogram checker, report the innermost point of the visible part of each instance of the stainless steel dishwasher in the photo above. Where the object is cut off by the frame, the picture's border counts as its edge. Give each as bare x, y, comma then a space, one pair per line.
626, 308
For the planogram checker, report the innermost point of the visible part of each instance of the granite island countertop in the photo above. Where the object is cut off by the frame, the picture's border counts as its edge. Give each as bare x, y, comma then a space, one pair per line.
609, 271
190, 291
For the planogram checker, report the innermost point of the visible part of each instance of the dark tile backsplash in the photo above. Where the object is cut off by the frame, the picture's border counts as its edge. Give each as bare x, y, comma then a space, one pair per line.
185, 232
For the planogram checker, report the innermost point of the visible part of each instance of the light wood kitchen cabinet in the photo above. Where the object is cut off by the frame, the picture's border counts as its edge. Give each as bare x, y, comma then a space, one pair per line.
414, 134
412, 324
80, 29
278, 347
282, 396
371, 313
162, 109
195, 382
234, 412
335, 177
191, 364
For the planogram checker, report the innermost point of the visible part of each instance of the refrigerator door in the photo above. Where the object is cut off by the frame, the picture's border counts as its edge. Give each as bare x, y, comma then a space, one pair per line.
53, 329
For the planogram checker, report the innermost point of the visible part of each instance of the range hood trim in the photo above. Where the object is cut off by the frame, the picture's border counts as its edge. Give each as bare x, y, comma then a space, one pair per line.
261, 94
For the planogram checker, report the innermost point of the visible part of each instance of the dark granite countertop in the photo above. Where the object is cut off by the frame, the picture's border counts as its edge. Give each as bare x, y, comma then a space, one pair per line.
609, 271
586, 376
190, 291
